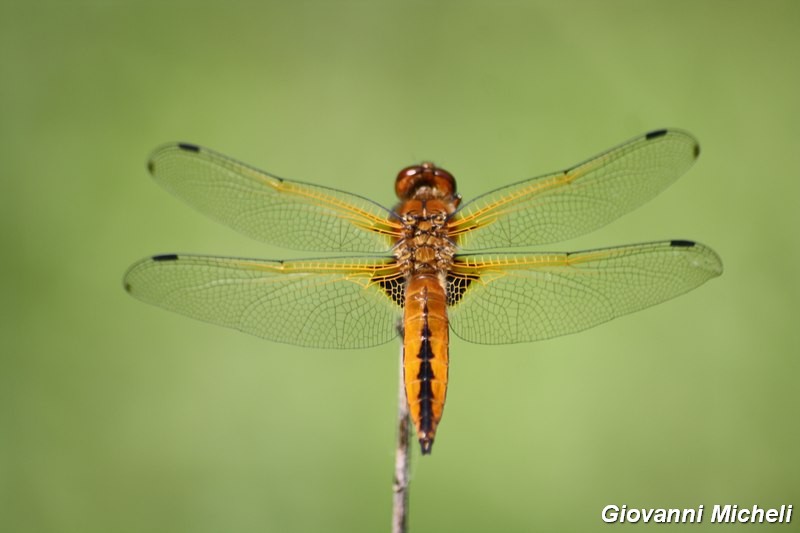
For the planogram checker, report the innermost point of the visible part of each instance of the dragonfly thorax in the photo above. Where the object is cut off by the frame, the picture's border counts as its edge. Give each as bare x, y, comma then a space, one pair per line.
424, 245
428, 198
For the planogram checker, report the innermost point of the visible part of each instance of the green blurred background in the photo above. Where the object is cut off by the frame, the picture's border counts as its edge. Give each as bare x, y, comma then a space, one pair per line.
120, 417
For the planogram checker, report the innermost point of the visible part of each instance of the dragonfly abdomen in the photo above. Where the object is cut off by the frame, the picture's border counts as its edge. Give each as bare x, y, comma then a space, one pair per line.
425, 353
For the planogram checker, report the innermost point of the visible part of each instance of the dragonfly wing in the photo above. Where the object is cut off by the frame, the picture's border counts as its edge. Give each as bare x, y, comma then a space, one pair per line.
498, 299
282, 212
329, 303
566, 204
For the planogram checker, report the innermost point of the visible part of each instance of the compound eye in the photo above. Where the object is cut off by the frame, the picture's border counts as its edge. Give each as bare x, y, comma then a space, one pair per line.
445, 181
406, 182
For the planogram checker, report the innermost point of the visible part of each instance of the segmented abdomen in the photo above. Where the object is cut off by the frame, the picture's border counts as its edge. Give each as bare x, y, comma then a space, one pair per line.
425, 353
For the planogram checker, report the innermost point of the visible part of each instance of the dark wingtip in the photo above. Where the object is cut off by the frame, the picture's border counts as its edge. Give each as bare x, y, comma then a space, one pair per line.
127, 287
189, 147
655, 134
425, 445
696, 150
682, 244
165, 257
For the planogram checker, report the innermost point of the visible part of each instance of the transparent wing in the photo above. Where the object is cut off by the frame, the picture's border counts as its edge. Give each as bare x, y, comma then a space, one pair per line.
329, 303
566, 204
282, 212
498, 299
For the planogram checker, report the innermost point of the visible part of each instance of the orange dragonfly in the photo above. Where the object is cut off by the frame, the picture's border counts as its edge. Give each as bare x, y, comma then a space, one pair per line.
423, 278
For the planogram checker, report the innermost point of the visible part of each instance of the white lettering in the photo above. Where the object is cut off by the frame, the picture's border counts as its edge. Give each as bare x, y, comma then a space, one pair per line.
610, 514
613, 513
721, 514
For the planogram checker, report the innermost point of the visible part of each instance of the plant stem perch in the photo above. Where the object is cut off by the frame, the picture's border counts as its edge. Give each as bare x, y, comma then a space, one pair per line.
401, 461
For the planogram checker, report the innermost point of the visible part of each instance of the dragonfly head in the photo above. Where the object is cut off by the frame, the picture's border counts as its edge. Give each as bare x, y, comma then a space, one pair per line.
423, 182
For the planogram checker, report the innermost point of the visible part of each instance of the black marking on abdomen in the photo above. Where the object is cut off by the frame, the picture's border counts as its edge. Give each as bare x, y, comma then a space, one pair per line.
425, 375
655, 134
682, 244
189, 147
165, 257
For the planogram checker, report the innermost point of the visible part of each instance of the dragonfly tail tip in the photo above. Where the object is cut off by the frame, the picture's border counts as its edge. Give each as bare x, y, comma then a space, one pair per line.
425, 445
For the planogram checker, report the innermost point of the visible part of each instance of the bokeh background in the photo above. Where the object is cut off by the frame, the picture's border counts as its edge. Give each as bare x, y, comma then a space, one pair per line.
120, 417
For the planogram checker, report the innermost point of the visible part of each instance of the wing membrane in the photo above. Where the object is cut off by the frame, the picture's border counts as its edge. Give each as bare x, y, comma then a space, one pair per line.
566, 204
526, 297
282, 212
330, 303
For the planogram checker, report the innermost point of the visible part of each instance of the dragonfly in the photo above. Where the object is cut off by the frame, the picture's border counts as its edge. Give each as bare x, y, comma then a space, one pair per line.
427, 266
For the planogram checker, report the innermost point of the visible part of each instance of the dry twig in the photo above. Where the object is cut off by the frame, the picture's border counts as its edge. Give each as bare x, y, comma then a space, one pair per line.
401, 461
